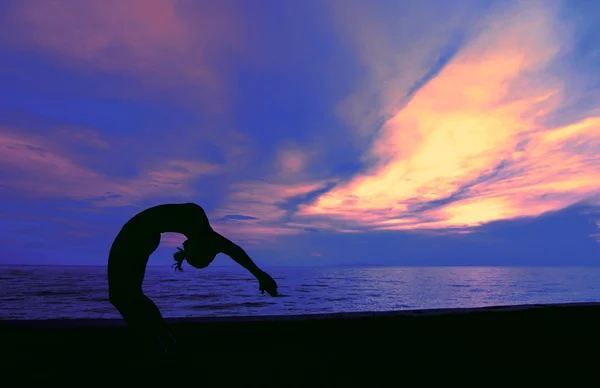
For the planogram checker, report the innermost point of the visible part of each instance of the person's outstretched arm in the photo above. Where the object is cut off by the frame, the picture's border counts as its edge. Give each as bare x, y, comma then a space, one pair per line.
240, 256
237, 254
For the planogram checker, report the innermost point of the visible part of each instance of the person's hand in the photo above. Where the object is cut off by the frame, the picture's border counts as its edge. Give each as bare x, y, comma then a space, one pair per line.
266, 283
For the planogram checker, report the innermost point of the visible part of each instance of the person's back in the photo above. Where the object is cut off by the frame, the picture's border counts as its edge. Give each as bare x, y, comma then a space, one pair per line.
170, 218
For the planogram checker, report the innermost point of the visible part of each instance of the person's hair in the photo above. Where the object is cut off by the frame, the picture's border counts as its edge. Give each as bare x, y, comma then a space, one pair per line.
179, 256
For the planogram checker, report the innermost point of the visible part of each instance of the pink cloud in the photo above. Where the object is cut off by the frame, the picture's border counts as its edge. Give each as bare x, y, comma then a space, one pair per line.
33, 165
263, 200
291, 161
172, 239
176, 172
165, 42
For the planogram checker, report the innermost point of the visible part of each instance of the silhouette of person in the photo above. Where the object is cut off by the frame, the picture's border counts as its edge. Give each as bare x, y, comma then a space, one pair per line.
140, 237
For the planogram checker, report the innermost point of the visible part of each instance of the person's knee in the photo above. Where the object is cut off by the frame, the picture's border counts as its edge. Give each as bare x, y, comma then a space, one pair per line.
116, 298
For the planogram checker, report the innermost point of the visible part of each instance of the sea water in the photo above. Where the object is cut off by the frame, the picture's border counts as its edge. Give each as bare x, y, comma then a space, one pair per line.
47, 292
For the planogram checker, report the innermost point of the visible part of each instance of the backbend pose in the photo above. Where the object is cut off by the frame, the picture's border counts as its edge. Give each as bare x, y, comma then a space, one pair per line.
140, 237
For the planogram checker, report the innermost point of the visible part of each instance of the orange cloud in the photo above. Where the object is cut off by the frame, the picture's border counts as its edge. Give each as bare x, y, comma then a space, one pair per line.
470, 147
397, 44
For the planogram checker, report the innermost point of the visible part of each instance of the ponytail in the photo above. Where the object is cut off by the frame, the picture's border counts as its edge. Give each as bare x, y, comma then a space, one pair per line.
179, 256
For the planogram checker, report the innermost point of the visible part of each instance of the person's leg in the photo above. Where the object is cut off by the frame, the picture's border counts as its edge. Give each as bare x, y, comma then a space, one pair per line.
125, 278
142, 315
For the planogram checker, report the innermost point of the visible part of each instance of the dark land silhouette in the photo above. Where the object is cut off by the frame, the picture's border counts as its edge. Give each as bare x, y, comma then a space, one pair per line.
519, 346
132, 248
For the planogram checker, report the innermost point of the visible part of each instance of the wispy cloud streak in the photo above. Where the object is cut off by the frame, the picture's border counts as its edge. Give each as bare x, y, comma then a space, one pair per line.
471, 146
31, 165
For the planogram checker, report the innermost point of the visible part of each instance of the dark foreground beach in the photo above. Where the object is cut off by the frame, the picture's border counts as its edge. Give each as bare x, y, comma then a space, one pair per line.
448, 346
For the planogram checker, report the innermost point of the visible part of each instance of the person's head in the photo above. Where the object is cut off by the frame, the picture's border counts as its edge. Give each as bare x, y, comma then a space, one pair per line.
198, 253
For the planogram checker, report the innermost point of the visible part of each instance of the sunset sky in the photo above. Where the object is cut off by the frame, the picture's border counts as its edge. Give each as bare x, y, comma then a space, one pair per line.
429, 132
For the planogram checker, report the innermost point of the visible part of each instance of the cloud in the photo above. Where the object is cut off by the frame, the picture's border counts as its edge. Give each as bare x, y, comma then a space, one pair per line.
596, 236
471, 145
237, 217
267, 206
33, 165
163, 42
398, 45
81, 137
291, 161
454, 122
172, 239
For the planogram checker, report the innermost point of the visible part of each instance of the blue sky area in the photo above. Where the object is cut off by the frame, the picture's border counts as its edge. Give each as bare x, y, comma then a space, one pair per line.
313, 133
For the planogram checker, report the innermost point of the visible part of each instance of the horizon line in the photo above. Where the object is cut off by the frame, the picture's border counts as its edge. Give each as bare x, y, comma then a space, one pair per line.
327, 266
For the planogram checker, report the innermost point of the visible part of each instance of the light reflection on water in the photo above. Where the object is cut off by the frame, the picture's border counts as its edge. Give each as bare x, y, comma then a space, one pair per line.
81, 292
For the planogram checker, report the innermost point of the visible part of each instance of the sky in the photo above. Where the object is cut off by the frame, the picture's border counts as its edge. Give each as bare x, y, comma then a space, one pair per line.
321, 132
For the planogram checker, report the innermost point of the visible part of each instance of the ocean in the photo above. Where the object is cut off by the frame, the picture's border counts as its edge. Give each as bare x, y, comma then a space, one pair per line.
48, 292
